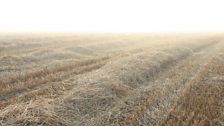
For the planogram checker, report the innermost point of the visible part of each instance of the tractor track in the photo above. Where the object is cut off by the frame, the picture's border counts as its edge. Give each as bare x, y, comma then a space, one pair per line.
152, 109
202, 102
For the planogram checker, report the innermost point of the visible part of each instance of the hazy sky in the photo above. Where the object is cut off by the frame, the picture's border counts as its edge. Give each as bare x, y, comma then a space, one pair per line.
111, 15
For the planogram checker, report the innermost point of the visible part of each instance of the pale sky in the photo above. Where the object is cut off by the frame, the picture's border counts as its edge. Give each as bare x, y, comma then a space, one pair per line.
111, 15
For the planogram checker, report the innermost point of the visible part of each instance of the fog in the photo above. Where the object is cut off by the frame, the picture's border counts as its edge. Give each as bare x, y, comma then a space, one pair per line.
110, 15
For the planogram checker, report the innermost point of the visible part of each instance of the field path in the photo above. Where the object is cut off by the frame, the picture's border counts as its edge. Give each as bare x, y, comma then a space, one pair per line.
163, 93
202, 102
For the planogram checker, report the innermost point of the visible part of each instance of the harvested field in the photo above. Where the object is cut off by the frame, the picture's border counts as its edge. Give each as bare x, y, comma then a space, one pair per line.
105, 79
